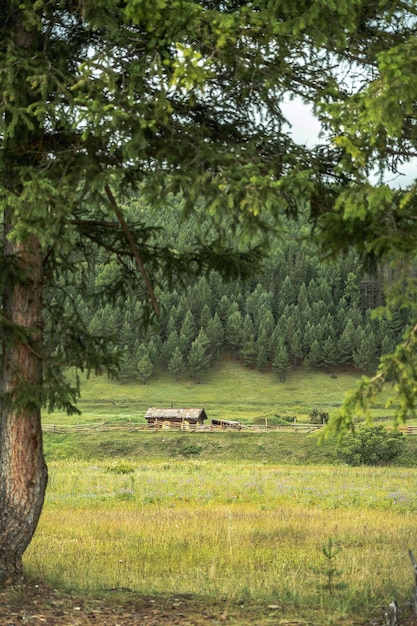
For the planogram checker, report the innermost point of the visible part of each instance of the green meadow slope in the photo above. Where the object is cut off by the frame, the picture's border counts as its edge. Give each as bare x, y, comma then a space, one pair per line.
231, 392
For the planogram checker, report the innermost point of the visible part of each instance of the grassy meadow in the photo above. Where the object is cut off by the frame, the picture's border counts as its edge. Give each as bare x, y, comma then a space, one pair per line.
264, 516
236, 530
229, 391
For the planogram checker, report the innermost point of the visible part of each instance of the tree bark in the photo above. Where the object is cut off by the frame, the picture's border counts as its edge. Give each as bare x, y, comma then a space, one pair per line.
23, 472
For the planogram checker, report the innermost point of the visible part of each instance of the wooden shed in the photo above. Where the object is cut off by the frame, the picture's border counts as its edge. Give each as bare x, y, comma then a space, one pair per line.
175, 416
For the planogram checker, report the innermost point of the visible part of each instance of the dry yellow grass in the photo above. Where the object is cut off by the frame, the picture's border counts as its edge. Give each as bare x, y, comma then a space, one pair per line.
102, 529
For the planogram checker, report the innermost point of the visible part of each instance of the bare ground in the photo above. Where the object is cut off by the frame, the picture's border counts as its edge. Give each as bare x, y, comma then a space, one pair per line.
38, 605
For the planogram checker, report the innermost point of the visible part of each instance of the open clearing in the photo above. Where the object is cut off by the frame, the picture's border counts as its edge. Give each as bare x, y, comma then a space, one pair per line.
239, 528
239, 537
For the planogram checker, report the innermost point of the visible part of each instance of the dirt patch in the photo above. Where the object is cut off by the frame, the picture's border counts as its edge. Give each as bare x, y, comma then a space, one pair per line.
39, 605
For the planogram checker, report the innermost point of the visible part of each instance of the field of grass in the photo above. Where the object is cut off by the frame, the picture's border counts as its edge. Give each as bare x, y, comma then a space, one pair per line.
265, 517
235, 530
271, 447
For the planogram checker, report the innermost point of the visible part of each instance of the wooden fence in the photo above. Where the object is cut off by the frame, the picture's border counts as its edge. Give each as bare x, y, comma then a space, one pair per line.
408, 430
111, 426
252, 428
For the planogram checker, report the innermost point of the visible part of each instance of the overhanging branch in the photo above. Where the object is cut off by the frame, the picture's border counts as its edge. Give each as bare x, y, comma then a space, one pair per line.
134, 248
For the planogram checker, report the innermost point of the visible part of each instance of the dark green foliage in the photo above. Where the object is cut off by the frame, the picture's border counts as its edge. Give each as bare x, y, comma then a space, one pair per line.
319, 417
371, 445
169, 347
249, 352
330, 572
128, 369
145, 367
281, 362
198, 360
365, 354
234, 330
307, 331
188, 333
215, 334
107, 102
191, 449
347, 343
201, 136
180, 104
176, 363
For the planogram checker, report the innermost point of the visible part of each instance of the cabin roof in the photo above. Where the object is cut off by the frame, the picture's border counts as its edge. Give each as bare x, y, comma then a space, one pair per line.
176, 414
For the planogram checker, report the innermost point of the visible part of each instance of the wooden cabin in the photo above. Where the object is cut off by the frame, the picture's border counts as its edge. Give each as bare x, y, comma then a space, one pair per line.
175, 417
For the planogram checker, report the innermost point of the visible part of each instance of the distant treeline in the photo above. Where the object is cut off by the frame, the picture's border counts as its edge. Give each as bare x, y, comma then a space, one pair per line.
298, 310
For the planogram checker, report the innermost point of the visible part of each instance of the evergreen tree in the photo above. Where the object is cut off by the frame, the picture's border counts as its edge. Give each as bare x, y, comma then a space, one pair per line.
202, 295
286, 295
365, 354
302, 300
388, 344
314, 357
197, 296
127, 369
318, 312
169, 346
281, 362
127, 334
233, 331
154, 347
175, 319
308, 336
313, 291
223, 309
288, 323
247, 329
198, 360
188, 333
249, 351
102, 97
305, 316
176, 363
203, 339
329, 353
267, 322
325, 294
95, 327
263, 349
205, 316
258, 303
341, 317
295, 348
215, 334
328, 325
347, 343
352, 292
144, 367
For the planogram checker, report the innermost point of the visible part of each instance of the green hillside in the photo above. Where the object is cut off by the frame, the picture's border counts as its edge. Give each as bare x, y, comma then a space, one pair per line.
230, 391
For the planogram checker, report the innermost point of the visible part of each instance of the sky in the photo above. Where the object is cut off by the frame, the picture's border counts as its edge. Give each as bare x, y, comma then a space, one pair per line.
305, 129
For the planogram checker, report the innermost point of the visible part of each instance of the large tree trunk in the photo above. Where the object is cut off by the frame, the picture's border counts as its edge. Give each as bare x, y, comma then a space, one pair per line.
23, 472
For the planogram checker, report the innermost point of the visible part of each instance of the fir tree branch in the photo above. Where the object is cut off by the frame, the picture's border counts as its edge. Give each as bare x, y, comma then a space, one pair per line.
133, 248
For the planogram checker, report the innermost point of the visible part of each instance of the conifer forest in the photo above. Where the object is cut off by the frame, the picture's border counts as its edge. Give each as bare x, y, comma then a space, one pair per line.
297, 310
